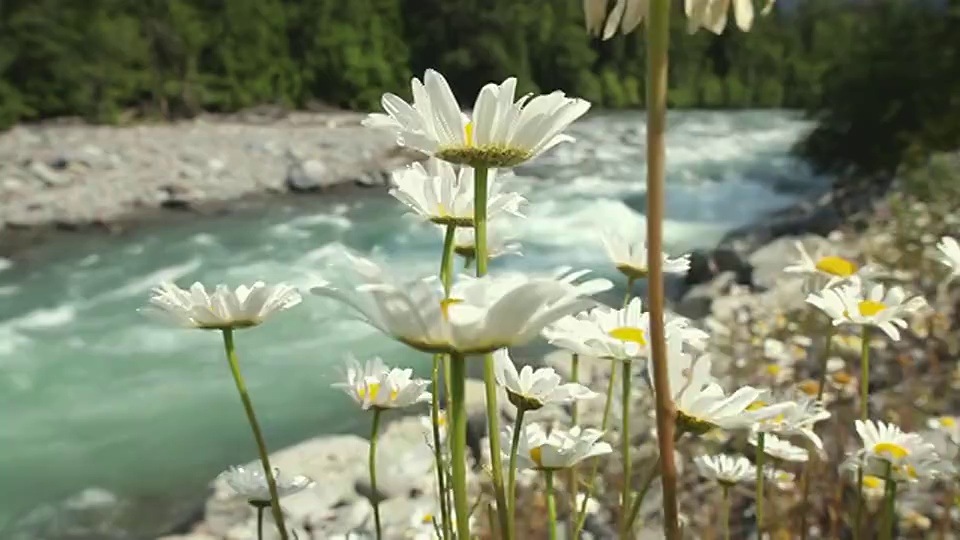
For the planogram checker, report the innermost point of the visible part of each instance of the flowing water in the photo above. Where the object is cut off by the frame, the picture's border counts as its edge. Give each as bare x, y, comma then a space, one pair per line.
94, 394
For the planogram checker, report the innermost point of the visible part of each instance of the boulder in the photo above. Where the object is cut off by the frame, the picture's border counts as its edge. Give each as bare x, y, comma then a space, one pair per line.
308, 175
697, 301
705, 265
769, 260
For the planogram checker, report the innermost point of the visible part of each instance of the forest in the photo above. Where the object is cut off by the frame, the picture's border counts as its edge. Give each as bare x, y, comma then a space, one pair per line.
879, 68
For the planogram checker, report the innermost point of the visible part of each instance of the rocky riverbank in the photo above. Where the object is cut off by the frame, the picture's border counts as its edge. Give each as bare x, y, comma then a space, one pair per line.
58, 178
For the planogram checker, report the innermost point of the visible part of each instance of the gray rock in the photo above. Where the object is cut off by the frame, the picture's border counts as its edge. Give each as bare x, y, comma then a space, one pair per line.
308, 175
51, 178
706, 265
769, 260
697, 301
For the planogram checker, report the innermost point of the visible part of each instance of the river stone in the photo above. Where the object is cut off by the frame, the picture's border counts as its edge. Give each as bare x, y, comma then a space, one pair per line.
769, 260
51, 178
308, 175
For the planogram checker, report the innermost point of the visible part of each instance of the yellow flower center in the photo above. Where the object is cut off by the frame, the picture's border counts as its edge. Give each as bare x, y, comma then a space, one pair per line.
894, 450
468, 132
836, 266
948, 421
372, 390
535, 455
445, 306
842, 377
872, 482
809, 387
773, 369
626, 333
869, 308
756, 405
427, 518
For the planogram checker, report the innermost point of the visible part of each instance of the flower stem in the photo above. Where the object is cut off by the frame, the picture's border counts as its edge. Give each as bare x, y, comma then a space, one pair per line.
890, 497
808, 469
827, 346
551, 505
625, 384
489, 377
648, 481
372, 465
760, 455
260, 522
458, 440
255, 427
575, 418
658, 44
582, 515
726, 512
512, 478
437, 449
864, 372
859, 510
446, 264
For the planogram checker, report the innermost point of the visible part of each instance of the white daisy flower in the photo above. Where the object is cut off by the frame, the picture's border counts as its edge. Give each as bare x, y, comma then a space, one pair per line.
480, 316
910, 456
499, 242
627, 14
950, 254
250, 483
375, 386
780, 448
701, 403
850, 304
798, 416
630, 257
834, 269
712, 14
531, 389
725, 470
426, 424
502, 132
444, 195
948, 425
783, 480
222, 308
620, 334
560, 449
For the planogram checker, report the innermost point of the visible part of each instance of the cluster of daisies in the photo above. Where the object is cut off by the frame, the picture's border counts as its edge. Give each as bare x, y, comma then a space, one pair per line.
476, 318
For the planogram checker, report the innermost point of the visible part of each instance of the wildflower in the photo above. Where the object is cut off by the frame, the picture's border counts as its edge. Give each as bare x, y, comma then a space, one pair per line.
627, 14
712, 14
374, 385
780, 361
560, 449
784, 480
532, 390
948, 425
251, 483
950, 254
850, 304
797, 416
480, 315
780, 448
909, 455
701, 403
724, 469
502, 132
223, 308
630, 257
445, 196
834, 269
499, 242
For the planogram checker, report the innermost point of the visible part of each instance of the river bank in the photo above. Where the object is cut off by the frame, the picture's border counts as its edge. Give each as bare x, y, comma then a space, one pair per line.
65, 178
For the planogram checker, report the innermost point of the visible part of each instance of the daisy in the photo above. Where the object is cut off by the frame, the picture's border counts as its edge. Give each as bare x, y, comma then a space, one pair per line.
909, 455
784, 480
776, 447
531, 390
630, 257
797, 416
850, 304
627, 14
834, 269
948, 425
222, 308
375, 386
502, 132
444, 195
251, 484
725, 470
480, 315
560, 449
499, 242
712, 14
950, 254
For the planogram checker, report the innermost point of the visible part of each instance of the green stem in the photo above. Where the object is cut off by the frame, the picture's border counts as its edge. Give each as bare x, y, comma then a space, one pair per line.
489, 376
437, 449
575, 418
808, 469
625, 384
551, 505
446, 264
260, 508
864, 372
458, 443
760, 458
582, 515
726, 512
826, 358
512, 478
890, 497
859, 511
658, 45
228, 346
372, 465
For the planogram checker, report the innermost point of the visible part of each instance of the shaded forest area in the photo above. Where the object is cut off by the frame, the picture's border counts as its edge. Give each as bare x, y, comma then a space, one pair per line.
864, 70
